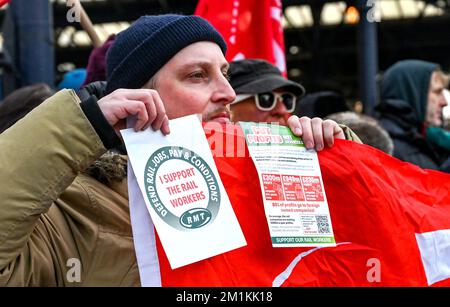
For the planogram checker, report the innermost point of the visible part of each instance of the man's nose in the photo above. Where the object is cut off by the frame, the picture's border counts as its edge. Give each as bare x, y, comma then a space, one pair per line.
223, 92
280, 108
442, 101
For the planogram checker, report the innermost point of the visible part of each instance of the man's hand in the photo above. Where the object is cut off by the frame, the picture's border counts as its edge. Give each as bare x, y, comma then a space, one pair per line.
144, 103
315, 132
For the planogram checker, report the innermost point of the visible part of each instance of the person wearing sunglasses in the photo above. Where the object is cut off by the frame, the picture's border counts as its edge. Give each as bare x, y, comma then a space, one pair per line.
263, 95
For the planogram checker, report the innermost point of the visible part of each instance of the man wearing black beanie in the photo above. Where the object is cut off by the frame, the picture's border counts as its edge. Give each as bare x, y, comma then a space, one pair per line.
64, 219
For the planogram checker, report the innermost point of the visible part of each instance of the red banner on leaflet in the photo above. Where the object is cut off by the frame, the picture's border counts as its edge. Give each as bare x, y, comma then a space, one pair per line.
293, 188
391, 222
273, 188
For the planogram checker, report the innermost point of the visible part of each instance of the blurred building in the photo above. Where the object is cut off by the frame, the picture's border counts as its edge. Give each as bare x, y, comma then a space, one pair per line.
320, 35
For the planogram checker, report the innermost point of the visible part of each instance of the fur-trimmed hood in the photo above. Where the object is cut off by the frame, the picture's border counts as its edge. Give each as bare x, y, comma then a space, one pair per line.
109, 168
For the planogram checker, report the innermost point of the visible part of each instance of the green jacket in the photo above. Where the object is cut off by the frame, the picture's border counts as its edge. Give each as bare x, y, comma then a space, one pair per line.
53, 218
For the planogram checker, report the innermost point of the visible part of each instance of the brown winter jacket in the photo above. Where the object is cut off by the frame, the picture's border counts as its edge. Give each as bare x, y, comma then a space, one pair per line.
53, 220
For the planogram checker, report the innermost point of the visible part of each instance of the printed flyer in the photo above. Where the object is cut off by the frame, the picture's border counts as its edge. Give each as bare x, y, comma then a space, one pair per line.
183, 191
291, 184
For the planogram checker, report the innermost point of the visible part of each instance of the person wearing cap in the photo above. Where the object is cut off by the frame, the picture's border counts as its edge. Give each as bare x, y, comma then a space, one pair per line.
264, 95
64, 216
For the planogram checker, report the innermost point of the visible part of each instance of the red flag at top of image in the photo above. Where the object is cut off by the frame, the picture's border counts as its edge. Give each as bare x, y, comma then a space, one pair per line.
3, 2
251, 28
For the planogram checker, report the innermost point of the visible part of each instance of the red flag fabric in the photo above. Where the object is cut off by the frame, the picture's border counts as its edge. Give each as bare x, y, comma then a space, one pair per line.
3, 2
391, 222
251, 28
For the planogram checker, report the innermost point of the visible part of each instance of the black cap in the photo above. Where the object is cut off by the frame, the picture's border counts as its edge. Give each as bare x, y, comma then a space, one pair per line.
253, 76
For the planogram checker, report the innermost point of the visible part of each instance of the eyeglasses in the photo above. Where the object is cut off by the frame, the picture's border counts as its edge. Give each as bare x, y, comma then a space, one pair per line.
267, 101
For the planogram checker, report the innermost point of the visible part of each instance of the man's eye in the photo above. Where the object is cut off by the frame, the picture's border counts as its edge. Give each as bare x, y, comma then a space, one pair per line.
227, 76
197, 75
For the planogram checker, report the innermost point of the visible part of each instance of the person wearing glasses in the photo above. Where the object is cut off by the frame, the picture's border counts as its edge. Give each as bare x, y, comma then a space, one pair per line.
264, 95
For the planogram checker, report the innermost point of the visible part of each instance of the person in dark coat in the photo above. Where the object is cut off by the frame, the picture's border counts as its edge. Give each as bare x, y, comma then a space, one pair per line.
412, 100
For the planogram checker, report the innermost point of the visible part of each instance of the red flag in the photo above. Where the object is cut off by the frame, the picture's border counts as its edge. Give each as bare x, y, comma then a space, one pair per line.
3, 2
251, 28
391, 222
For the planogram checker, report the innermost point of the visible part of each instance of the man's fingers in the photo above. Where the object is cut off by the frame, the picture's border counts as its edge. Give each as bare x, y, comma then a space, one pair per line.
338, 132
134, 94
165, 125
328, 132
138, 108
145, 104
295, 126
151, 112
317, 131
155, 108
307, 134
160, 112
332, 131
